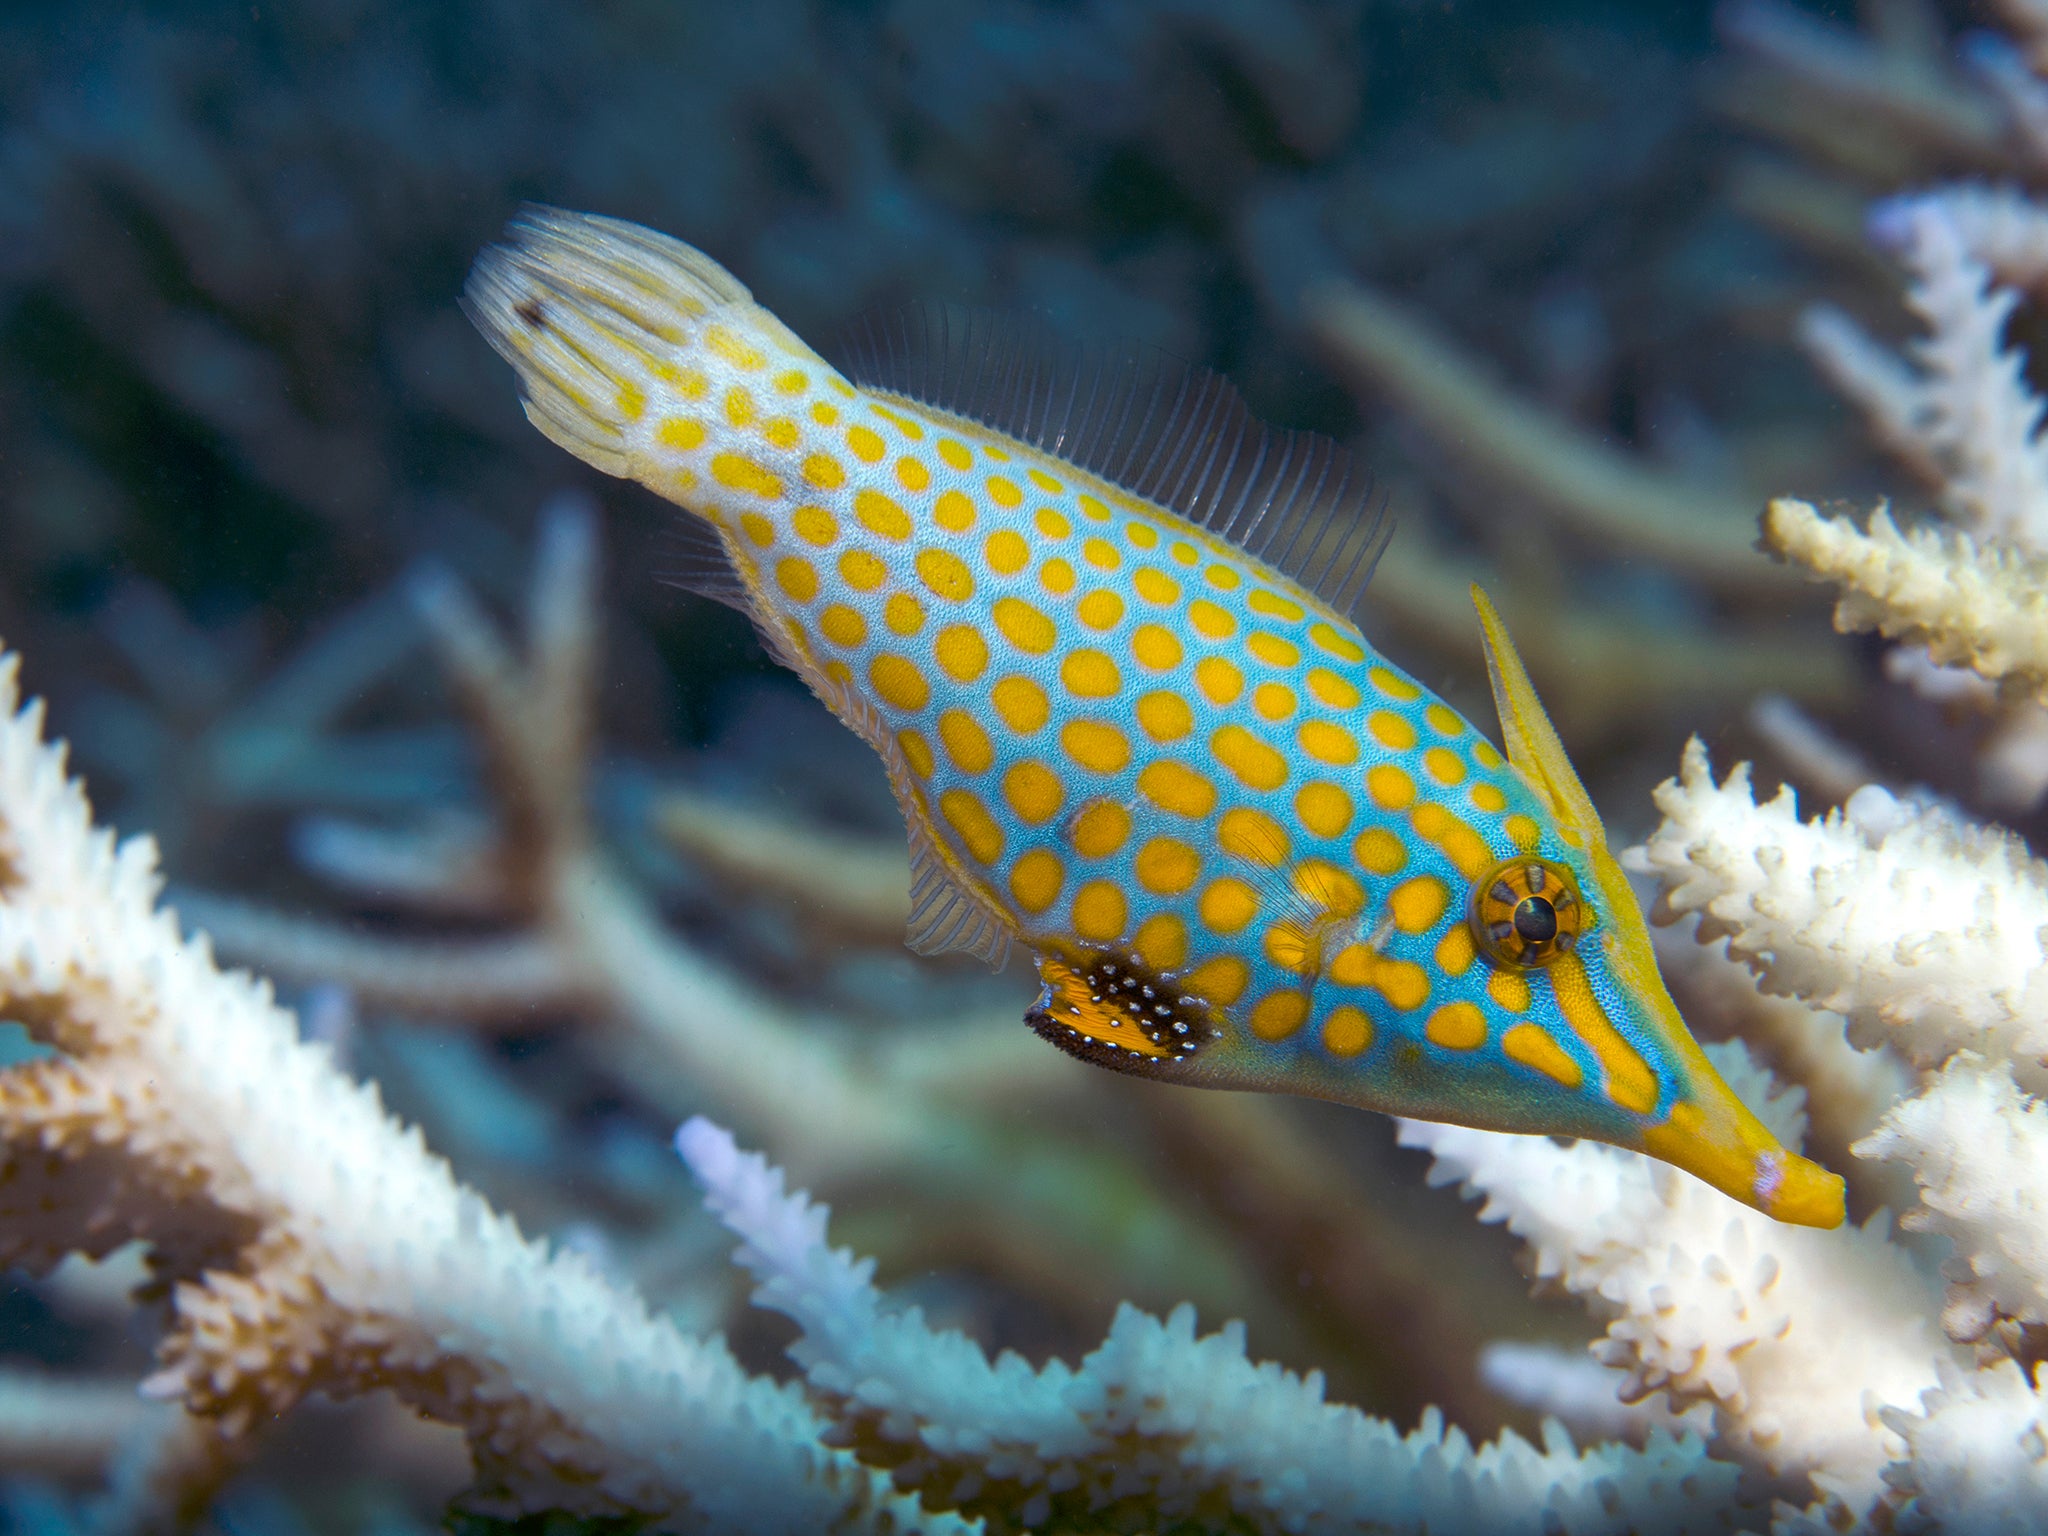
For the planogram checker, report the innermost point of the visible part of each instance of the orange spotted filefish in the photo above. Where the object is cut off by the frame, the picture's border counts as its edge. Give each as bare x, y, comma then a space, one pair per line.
1095, 621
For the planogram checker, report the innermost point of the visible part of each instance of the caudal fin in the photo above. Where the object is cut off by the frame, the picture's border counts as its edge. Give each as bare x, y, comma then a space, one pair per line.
590, 311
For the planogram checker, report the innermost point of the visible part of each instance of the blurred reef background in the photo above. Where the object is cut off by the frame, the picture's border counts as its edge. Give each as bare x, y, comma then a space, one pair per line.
269, 517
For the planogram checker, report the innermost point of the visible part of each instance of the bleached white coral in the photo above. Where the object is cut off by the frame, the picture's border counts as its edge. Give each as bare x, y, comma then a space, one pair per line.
1794, 1336
1933, 935
1160, 1424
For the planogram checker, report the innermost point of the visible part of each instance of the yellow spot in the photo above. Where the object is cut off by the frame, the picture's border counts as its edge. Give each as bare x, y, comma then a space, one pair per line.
1533, 1047
1004, 491
880, 514
739, 406
946, 574
955, 454
1393, 684
1273, 650
1021, 702
1379, 851
867, 444
996, 453
839, 673
824, 415
729, 346
1625, 1076
1144, 535
1487, 797
1273, 604
631, 401
1093, 508
1253, 836
903, 614
1444, 720
913, 476
1096, 744
1457, 1026
961, 652
791, 383
1323, 808
1217, 678
1523, 832
1273, 700
1045, 482
1279, 1014
954, 512
1034, 791
1166, 866
1336, 642
1006, 551
1335, 691
743, 474
1291, 947
1444, 765
814, 525
1211, 620
903, 424
781, 432
1329, 889
1401, 982
1465, 848
1089, 674
1347, 1031
689, 383
1510, 989
1487, 755
823, 471
1057, 577
898, 681
1162, 941
1256, 765
966, 742
1052, 524
1223, 578
758, 528
1100, 609
1025, 626
1389, 787
1100, 828
1101, 554
797, 577
680, 432
1156, 586
1228, 904
843, 625
1177, 788
917, 752
1418, 903
1390, 730
1165, 716
1185, 553
1099, 911
970, 818
1328, 743
1036, 878
1221, 981
1454, 951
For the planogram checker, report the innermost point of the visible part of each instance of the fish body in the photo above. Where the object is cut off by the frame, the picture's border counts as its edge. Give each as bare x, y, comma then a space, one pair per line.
1245, 849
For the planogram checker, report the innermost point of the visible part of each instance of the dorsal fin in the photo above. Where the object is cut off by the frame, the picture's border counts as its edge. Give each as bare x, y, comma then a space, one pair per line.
1160, 428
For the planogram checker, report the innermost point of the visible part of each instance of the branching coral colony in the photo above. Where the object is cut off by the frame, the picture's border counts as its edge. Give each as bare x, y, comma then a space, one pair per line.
1831, 1381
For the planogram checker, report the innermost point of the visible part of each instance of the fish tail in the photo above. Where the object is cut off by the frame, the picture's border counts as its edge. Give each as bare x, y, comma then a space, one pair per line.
593, 313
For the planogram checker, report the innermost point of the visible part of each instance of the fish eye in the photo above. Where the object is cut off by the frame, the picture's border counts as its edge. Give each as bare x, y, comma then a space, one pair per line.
1525, 913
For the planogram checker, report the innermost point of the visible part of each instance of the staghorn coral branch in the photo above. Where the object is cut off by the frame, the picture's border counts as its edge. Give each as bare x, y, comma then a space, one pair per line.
1158, 1426
1790, 1334
1979, 605
1921, 929
365, 1264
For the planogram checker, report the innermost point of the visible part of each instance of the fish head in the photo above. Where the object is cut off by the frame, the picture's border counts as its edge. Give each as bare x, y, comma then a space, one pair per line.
1572, 927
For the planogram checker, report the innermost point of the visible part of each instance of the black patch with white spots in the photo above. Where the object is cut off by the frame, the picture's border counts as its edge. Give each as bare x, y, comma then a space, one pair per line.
1168, 1017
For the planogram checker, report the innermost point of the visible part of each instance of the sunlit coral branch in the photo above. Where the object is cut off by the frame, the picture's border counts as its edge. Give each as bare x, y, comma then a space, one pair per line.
1973, 604
1158, 1425
313, 1243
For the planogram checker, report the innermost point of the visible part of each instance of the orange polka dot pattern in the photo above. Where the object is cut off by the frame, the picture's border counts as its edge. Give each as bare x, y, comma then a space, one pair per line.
1125, 738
